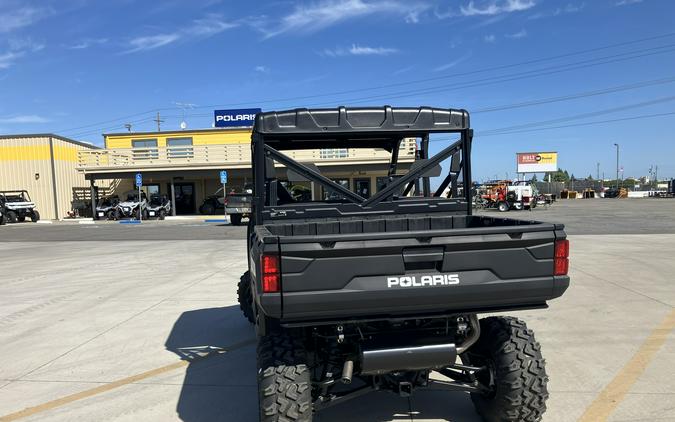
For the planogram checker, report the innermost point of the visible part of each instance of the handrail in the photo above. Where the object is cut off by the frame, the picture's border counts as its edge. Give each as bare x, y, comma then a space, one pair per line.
234, 154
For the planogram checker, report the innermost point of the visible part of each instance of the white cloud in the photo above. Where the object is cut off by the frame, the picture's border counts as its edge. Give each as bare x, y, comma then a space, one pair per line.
359, 50
88, 42
11, 20
569, 8
18, 47
490, 38
208, 26
327, 13
495, 7
28, 118
627, 2
151, 42
452, 64
517, 35
261, 69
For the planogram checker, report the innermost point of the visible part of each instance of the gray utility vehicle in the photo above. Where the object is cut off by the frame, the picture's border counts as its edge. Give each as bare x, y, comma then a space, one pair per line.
238, 205
357, 294
17, 205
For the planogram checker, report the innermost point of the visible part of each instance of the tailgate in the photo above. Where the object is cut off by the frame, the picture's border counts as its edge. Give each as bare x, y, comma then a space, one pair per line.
397, 276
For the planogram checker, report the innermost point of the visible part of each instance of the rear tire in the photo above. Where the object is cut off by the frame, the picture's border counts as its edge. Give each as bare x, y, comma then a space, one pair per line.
35, 216
284, 385
503, 206
3, 220
245, 296
162, 214
11, 217
518, 372
21, 218
235, 219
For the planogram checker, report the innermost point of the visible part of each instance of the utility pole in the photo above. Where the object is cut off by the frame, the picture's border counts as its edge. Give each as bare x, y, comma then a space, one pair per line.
656, 177
617, 165
598, 171
159, 121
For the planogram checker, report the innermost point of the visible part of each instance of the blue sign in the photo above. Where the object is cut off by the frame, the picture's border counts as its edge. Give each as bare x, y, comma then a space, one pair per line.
139, 180
232, 118
223, 177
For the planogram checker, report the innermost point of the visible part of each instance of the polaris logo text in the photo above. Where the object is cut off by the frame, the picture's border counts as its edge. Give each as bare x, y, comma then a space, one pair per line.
237, 117
423, 281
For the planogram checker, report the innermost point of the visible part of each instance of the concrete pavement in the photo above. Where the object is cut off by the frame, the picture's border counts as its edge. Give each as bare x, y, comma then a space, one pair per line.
106, 335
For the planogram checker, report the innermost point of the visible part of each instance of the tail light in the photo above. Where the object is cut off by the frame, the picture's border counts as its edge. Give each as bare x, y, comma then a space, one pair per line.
561, 257
271, 275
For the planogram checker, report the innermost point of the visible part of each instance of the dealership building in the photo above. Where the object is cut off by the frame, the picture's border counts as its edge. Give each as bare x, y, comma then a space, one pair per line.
184, 165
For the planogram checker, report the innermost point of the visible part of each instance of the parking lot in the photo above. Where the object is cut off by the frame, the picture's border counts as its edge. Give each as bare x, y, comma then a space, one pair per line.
114, 322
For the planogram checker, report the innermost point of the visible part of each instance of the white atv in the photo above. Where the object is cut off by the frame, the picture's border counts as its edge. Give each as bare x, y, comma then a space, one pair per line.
17, 206
132, 207
159, 207
105, 208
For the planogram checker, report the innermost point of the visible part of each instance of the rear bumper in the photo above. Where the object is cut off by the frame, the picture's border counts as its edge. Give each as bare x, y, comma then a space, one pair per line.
478, 293
237, 210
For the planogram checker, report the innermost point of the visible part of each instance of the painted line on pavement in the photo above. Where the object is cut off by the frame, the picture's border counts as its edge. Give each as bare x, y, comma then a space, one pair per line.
609, 398
30, 411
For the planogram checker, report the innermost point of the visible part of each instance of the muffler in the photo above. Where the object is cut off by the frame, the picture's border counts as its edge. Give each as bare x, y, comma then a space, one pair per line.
382, 361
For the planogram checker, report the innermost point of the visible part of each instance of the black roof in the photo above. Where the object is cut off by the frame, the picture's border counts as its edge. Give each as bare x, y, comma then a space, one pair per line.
396, 121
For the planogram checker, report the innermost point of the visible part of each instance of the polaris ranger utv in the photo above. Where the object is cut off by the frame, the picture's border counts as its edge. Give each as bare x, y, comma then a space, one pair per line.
17, 206
356, 294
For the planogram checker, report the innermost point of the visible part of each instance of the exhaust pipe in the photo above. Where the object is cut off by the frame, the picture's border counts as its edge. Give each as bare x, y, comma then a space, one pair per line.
347, 371
382, 361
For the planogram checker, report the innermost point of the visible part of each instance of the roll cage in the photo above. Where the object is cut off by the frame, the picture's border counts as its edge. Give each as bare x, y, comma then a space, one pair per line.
385, 128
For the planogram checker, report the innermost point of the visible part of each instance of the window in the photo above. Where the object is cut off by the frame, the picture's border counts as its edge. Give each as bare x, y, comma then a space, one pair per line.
145, 149
333, 153
179, 148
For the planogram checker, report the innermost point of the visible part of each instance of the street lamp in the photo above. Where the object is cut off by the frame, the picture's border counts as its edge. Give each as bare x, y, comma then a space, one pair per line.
617, 165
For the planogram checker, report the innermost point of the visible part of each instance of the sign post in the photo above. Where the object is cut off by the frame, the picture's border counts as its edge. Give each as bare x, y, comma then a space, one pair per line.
223, 180
139, 183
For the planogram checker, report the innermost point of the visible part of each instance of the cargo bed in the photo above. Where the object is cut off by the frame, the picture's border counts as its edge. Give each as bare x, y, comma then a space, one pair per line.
422, 264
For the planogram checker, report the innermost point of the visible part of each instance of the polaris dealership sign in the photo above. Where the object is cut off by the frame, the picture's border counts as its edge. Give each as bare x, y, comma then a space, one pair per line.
235, 118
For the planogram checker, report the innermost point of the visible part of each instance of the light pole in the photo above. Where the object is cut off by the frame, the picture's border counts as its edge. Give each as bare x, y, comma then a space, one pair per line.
617, 165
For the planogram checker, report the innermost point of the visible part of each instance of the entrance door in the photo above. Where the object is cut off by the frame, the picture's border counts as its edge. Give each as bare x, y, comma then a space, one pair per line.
362, 187
185, 197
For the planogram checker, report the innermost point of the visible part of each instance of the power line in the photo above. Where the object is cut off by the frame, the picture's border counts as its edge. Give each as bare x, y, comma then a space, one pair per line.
623, 119
473, 72
582, 115
509, 78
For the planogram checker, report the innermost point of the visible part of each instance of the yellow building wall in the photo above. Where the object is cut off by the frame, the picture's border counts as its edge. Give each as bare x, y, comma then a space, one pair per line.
25, 164
215, 137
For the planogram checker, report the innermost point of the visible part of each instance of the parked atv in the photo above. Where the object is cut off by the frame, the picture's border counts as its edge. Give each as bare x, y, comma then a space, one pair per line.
106, 207
213, 204
17, 206
159, 207
132, 207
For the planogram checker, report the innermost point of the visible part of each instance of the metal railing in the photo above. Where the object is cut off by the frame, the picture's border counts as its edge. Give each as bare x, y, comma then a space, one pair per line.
235, 155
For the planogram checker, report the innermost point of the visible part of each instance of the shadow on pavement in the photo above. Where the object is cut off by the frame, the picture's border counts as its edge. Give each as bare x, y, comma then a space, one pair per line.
220, 380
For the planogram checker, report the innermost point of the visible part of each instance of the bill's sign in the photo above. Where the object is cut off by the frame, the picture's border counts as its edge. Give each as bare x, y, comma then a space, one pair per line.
537, 162
235, 118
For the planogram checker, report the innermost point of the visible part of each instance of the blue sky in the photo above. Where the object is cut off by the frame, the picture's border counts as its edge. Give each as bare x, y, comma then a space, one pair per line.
81, 68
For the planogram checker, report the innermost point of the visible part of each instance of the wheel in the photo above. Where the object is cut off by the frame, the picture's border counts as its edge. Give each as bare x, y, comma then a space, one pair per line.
11, 217
245, 297
117, 215
503, 206
162, 214
3, 220
110, 215
518, 206
35, 216
21, 218
235, 219
284, 385
516, 374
